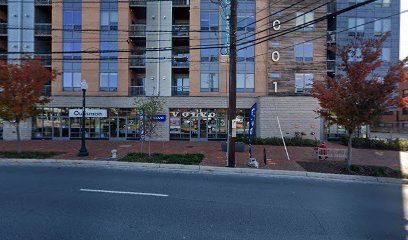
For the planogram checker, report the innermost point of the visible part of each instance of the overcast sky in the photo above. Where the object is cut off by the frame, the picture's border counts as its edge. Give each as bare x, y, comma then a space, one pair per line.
404, 30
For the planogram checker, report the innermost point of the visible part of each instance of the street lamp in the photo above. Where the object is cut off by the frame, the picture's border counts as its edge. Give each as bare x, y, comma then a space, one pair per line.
83, 152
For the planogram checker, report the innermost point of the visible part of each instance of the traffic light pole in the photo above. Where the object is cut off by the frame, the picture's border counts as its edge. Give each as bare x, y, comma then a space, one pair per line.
232, 97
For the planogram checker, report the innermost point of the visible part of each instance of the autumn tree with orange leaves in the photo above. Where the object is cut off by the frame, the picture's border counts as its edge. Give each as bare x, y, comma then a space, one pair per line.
359, 94
21, 87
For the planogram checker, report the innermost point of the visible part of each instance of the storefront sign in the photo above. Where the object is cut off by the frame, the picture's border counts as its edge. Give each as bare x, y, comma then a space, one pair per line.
159, 118
252, 117
225, 25
193, 114
91, 113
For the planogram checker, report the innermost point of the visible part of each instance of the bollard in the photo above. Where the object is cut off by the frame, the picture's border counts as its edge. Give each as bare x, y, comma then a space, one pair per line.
114, 153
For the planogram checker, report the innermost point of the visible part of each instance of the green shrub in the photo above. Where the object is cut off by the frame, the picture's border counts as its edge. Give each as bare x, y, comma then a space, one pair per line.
186, 159
275, 141
396, 144
33, 155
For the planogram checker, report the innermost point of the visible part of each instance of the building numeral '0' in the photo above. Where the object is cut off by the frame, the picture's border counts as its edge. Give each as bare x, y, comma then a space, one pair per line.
276, 25
275, 56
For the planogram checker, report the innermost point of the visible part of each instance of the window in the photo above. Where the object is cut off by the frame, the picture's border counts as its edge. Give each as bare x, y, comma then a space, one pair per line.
71, 81
245, 22
209, 55
386, 54
382, 26
304, 18
209, 82
275, 44
356, 26
352, 2
70, 47
303, 82
383, 3
304, 52
209, 20
405, 111
245, 82
73, 19
246, 55
109, 20
108, 82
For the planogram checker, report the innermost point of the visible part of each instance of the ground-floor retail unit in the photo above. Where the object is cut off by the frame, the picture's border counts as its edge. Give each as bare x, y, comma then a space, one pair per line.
187, 118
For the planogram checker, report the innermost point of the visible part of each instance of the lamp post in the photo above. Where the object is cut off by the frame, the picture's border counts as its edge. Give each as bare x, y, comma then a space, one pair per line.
83, 152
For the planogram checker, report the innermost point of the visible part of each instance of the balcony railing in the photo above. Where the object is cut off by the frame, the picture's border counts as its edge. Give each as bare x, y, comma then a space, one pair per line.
331, 36
181, 60
3, 2
180, 90
137, 30
45, 59
136, 91
3, 56
331, 65
3, 29
180, 30
137, 3
46, 91
43, 2
42, 29
137, 61
181, 3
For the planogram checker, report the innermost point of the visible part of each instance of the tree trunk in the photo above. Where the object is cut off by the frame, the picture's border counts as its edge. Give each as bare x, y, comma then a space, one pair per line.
18, 137
349, 149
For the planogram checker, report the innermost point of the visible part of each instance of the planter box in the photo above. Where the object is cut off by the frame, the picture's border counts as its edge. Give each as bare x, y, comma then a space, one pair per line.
239, 147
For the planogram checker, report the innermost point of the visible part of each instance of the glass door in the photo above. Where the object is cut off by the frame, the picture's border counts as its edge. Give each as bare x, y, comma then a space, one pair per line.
122, 124
199, 129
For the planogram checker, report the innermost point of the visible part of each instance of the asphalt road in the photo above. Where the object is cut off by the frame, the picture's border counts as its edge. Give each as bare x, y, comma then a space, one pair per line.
47, 203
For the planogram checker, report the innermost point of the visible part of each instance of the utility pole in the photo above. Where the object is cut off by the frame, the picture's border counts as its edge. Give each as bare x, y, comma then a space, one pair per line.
232, 97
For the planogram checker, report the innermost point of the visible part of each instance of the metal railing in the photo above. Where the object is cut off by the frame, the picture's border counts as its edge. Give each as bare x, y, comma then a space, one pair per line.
137, 3
3, 2
179, 3
137, 61
331, 65
43, 2
180, 90
137, 30
180, 59
46, 91
45, 59
42, 29
136, 91
3, 29
180, 30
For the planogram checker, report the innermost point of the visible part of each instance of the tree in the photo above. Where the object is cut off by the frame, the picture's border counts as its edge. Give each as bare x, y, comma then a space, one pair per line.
149, 107
21, 91
359, 94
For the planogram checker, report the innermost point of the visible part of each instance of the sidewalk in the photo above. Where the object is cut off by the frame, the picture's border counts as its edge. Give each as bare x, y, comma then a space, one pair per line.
101, 150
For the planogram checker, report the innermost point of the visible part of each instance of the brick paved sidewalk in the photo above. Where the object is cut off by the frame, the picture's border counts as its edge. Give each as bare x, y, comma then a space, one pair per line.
101, 149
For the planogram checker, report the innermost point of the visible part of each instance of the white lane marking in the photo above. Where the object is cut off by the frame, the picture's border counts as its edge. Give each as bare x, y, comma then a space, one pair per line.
120, 192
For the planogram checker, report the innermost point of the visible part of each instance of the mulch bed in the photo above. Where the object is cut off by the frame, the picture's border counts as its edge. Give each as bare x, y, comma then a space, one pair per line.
341, 168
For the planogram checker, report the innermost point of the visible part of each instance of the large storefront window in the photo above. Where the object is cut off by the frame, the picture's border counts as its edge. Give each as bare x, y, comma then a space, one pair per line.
204, 124
56, 123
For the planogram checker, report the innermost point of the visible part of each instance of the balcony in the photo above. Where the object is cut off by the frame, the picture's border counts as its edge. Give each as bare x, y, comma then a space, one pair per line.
331, 65
46, 91
3, 29
136, 91
43, 2
45, 59
331, 36
137, 61
137, 3
181, 3
180, 90
181, 57
180, 30
3, 2
43, 29
137, 30
3, 56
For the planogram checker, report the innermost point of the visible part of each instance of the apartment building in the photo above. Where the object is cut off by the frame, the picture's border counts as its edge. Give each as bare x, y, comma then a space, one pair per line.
173, 49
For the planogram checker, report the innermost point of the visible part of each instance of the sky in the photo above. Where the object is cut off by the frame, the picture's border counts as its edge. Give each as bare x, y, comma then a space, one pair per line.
404, 30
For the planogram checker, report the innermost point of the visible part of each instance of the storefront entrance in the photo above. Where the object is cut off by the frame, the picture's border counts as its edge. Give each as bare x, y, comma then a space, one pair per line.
118, 128
199, 129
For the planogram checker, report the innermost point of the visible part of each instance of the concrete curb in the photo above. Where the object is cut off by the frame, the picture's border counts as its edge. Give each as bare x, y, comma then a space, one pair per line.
205, 169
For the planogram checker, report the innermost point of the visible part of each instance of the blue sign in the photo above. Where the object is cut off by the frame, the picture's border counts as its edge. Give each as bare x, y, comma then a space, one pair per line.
225, 27
252, 117
393, 108
159, 118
